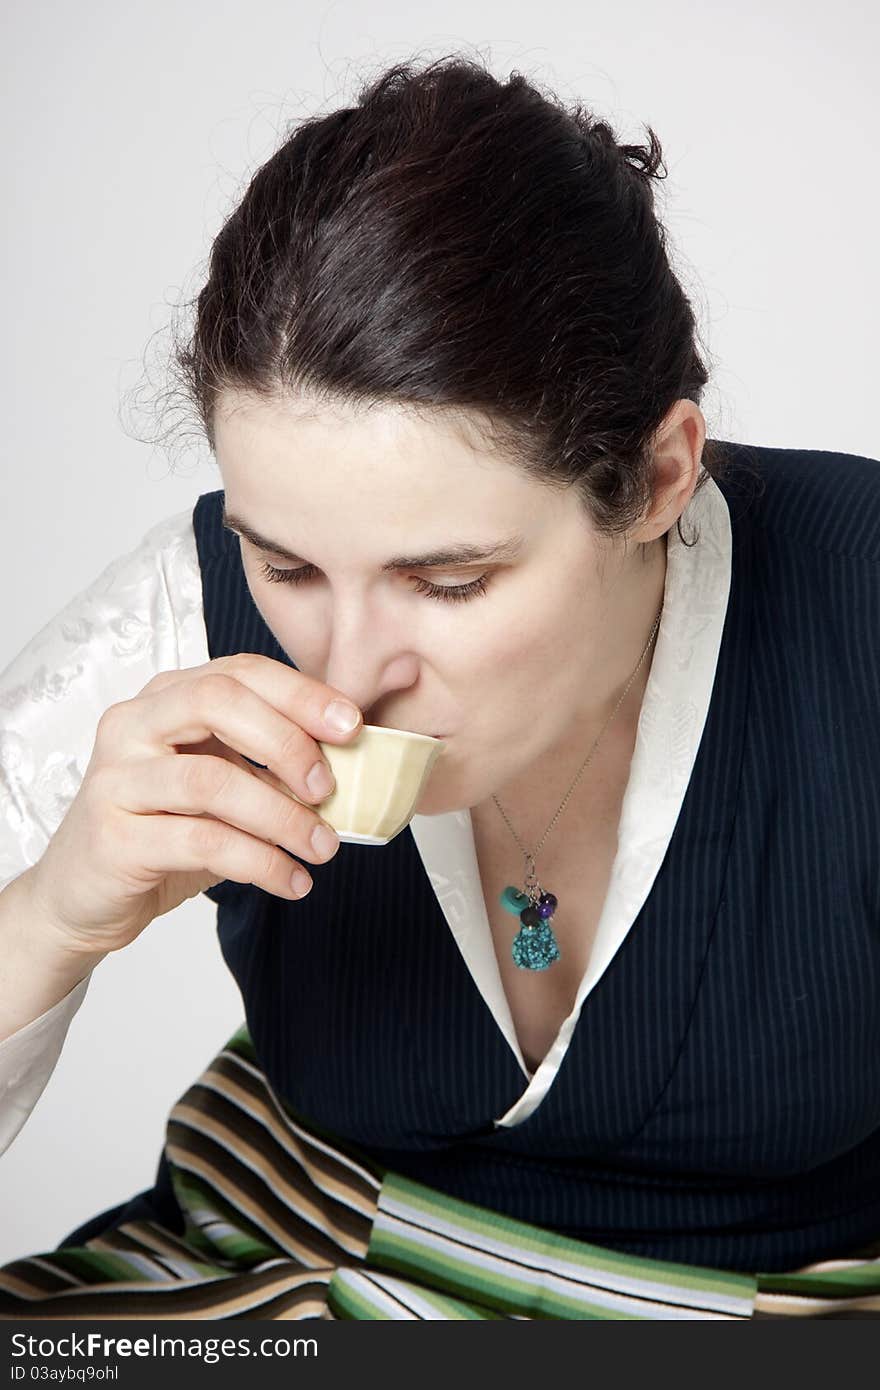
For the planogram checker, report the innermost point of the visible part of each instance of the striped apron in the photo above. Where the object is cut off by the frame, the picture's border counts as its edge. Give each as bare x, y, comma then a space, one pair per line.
280, 1222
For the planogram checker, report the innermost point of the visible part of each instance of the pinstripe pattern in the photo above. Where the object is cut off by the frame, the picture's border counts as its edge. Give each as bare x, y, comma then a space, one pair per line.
279, 1223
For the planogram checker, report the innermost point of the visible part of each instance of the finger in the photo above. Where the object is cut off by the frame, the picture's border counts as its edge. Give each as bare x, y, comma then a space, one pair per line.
185, 784
217, 704
294, 694
165, 844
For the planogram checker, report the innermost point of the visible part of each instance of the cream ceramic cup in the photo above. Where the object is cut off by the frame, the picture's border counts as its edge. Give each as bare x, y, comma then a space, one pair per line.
379, 779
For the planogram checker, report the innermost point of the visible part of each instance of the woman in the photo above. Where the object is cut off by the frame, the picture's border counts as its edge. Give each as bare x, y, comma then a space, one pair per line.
601, 1016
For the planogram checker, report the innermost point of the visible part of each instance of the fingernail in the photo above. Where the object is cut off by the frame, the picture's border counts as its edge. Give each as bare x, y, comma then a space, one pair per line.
324, 841
300, 882
341, 716
320, 780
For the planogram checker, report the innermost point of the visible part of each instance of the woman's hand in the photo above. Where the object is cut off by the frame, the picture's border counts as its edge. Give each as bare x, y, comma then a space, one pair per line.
168, 806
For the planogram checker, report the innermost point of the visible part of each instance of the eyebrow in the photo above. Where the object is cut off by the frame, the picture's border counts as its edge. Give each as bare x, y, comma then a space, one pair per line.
460, 554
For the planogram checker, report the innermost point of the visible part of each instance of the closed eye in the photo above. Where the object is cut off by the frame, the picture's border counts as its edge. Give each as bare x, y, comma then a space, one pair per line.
446, 593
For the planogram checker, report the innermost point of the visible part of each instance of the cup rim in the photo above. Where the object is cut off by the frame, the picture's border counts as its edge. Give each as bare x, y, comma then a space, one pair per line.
401, 733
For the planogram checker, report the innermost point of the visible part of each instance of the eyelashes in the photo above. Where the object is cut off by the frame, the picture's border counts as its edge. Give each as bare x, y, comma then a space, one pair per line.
445, 593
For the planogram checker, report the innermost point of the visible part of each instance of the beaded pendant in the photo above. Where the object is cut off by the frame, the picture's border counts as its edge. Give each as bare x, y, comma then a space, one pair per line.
534, 946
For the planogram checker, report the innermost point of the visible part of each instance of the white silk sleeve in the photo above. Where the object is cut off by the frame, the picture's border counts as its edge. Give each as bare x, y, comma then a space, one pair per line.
28, 1058
143, 614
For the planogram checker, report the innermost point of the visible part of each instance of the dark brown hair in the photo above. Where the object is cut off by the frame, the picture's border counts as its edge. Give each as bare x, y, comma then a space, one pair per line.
458, 243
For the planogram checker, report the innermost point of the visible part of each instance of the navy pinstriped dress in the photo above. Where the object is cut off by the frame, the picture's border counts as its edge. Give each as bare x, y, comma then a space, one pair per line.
719, 1102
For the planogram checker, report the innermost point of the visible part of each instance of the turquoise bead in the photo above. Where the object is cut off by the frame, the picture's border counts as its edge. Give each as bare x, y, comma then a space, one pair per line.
512, 900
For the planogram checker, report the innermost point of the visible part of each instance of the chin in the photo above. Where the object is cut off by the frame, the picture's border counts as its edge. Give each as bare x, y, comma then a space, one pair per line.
435, 802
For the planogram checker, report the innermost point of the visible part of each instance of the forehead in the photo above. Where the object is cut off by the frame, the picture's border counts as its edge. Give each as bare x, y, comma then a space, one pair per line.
297, 450
389, 426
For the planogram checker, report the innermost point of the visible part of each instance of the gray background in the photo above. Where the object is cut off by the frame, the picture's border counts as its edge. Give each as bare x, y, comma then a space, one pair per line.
130, 131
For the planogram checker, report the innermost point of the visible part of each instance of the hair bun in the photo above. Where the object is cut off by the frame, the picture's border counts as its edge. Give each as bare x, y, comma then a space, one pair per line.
646, 160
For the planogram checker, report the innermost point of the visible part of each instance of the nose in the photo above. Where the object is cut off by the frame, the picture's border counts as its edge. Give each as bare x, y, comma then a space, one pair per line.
368, 657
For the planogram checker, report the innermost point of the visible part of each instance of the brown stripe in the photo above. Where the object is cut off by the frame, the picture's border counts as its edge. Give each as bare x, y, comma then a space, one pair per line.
843, 1315
330, 1149
258, 1165
336, 1180
824, 1265
301, 1303
21, 1276
257, 1130
41, 1259
153, 1237
247, 1087
117, 1241
804, 1306
328, 1169
253, 1206
240, 1295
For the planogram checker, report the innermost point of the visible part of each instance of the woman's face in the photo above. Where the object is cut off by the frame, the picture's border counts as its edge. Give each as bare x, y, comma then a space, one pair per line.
513, 658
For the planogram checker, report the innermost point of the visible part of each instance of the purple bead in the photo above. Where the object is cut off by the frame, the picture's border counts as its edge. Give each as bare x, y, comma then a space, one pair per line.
547, 904
545, 910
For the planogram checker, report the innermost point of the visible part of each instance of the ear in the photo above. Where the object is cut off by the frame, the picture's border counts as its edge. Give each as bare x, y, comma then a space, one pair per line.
678, 450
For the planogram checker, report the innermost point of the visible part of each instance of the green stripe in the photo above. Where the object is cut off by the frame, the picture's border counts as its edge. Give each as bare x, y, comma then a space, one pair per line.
364, 1302
454, 1309
197, 1199
242, 1044
97, 1266
494, 1287
828, 1283
135, 1235
346, 1302
481, 1222
138, 1231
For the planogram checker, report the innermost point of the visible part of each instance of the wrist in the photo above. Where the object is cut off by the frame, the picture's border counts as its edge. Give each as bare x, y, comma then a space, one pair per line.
46, 940
39, 966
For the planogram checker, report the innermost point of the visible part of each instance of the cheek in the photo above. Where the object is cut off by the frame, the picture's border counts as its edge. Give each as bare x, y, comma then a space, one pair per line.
537, 637
534, 663
520, 651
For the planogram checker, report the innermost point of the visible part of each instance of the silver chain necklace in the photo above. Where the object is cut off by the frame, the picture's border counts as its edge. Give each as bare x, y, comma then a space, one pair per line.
534, 946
